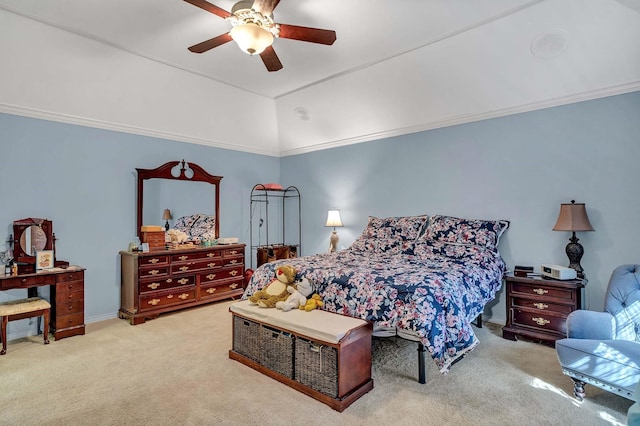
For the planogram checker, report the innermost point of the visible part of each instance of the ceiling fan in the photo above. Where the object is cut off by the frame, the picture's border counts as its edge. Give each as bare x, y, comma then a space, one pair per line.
254, 30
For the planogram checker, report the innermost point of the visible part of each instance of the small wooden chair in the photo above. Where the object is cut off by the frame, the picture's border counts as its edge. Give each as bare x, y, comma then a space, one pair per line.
20, 309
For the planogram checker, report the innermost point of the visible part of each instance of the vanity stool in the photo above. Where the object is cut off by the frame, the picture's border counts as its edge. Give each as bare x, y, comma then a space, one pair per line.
24, 308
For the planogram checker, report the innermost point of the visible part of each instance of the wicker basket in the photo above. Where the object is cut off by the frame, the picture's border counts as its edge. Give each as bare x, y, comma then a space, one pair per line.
316, 366
246, 338
276, 350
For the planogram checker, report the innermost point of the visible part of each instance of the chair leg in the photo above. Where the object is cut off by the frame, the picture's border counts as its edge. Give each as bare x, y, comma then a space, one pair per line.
45, 330
3, 334
578, 389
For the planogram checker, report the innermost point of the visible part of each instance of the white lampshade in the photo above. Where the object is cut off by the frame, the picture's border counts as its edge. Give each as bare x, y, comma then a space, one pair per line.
333, 218
251, 38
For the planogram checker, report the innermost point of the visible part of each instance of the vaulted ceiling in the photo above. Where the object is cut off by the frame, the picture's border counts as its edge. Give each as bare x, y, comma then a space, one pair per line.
396, 66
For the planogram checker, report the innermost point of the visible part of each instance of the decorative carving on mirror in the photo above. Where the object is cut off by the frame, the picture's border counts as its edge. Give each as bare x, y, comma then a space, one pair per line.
29, 236
189, 172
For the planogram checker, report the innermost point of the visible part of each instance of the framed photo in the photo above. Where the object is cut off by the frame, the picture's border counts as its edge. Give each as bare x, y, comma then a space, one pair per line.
44, 259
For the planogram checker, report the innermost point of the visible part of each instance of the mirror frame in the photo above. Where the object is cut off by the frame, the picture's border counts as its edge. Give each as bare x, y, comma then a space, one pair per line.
164, 172
19, 226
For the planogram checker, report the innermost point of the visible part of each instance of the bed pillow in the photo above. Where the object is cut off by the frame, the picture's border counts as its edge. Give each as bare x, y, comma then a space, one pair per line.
389, 234
197, 225
453, 230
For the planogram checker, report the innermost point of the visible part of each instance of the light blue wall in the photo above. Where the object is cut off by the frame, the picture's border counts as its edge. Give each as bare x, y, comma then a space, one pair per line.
84, 180
519, 168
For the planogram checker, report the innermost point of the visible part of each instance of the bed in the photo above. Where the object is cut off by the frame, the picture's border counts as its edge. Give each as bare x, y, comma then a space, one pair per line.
422, 278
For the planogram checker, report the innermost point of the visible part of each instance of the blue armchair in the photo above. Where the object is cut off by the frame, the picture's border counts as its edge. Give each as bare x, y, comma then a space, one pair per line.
603, 348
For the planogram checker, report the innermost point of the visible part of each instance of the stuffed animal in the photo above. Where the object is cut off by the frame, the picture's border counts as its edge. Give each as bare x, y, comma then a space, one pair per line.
177, 236
276, 290
315, 301
298, 295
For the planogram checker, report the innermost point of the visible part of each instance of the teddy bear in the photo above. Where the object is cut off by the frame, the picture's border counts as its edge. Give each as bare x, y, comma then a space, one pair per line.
298, 294
276, 290
315, 301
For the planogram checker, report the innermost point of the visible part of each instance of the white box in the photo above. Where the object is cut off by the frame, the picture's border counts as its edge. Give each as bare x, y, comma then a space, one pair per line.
558, 272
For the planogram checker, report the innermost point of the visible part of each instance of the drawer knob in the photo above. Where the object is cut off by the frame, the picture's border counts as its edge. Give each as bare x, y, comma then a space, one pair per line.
541, 305
211, 255
184, 296
211, 290
183, 281
233, 286
153, 302
211, 276
541, 321
540, 291
233, 261
154, 272
233, 252
170, 296
211, 265
153, 286
70, 286
233, 273
184, 268
183, 258
154, 260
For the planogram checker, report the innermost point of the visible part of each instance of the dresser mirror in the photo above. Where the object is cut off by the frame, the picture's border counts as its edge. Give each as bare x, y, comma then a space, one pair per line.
31, 235
182, 187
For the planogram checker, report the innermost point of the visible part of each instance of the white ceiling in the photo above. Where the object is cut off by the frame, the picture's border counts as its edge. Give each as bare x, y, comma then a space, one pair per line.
425, 63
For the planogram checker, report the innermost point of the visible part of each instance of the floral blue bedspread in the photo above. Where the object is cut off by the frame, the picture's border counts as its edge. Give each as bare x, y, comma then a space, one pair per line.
433, 289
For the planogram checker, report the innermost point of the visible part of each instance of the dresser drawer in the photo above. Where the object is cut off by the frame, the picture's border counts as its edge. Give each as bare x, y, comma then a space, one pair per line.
66, 321
154, 272
69, 296
70, 307
153, 300
69, 286
196, 266
154, 260
230, 261
201, 255
541, 305
543, 290
235, 272
233, 252
70, 276
167, 283
215, 289
540, 320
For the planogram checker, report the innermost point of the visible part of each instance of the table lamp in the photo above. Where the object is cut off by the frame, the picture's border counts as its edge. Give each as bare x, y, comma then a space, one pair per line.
333, 219
573, 217
166, 215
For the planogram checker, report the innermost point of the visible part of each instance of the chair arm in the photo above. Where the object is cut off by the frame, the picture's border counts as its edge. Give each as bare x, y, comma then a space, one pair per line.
583, 324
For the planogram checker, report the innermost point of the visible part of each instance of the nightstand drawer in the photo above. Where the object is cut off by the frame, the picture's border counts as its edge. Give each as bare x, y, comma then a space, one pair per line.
540, 321
541, 305
542, 289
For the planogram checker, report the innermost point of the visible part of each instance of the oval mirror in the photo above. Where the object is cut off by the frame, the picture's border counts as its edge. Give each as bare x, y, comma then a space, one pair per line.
33, 239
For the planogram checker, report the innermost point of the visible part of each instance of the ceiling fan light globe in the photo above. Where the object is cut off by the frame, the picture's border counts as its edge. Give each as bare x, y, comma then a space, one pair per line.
251, 38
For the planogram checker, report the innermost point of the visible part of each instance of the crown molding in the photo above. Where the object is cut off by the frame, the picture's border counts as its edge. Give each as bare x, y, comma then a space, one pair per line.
117, 127
469, 118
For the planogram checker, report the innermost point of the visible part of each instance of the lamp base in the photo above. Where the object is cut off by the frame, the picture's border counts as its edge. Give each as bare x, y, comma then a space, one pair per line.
166, 226
574, 252
333, 242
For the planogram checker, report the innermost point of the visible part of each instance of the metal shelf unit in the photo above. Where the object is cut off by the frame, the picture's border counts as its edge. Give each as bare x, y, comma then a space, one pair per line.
287, 199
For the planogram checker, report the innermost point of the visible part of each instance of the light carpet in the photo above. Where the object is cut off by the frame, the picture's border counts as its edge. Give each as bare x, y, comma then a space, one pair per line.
175, 370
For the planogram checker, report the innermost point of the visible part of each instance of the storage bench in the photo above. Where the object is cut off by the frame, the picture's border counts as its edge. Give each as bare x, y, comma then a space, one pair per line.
324, 355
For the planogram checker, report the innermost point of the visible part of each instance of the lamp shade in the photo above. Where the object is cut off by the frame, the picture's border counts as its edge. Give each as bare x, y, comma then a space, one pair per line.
573, 217
166, 215
333, 218
251, 38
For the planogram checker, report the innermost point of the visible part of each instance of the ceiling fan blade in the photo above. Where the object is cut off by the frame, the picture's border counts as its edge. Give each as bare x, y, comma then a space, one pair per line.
211, 43
270, 59
312, 35
265, 6
202, 4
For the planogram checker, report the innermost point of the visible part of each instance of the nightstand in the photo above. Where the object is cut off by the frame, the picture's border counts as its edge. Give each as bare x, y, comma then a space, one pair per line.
537, 308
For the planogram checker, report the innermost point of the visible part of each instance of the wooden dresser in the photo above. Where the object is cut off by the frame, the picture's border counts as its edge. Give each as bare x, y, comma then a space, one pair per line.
167, 280
537, 308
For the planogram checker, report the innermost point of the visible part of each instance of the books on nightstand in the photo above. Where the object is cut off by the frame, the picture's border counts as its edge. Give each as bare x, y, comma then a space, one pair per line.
523, 271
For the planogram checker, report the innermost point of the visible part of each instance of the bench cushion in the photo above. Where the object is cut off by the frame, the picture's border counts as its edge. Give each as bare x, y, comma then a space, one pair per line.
20, 306
318, 325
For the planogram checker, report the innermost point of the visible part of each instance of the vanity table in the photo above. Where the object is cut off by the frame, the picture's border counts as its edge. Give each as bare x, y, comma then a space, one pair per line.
66, 283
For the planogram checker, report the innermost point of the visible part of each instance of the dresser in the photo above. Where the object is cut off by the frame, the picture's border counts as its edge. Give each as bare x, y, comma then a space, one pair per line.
537, 308
170, 279
66, 294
